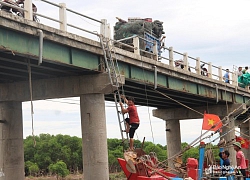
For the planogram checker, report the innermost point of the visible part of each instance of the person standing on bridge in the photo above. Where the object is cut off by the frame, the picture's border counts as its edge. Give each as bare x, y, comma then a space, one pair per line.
226, 76
34, 8
244, 71
239, 72
133, 122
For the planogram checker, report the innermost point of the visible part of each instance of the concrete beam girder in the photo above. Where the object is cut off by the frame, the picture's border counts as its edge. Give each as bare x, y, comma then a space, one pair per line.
184, 113
57, 87
26, 44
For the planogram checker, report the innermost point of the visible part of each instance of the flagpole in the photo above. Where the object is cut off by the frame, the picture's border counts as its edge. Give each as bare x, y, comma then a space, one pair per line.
200, 135
202, 125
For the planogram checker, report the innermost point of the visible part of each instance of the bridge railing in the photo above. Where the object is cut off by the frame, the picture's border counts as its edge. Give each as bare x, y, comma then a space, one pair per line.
64, 12
62, 17
186, 63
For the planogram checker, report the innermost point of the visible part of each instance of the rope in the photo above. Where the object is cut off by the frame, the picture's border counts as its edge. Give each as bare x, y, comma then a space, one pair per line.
145, 89
31, 103
240, 123
179, 102
232, 128
209, 155
241, 133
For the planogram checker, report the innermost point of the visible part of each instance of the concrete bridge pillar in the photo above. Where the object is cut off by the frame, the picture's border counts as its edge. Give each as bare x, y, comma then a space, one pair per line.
94, 137
11, 141
173, 140
230, 130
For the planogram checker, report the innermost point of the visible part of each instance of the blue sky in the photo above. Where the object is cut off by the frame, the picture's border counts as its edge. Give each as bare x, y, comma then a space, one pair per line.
215, 31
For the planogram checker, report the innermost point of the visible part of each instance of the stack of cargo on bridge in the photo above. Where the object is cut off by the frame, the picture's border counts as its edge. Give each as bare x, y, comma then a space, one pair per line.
244, 78
149, 32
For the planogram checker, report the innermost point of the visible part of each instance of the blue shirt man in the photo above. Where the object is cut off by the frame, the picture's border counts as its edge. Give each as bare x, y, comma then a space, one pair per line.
226, 163
226, 76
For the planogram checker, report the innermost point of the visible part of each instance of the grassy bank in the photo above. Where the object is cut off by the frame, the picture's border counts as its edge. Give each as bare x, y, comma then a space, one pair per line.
113, 176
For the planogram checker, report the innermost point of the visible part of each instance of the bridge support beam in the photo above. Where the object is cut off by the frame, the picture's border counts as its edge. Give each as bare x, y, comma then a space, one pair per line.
94, 137
11, 141
185, 113
230, 130
173, 140
173, 134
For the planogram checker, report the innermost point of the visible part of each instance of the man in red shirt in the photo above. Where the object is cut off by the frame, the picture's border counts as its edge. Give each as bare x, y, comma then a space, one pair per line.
240, 159
133, 122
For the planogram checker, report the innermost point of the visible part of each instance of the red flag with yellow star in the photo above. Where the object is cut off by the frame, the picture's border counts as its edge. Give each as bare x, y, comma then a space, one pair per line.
211, 122
244, 142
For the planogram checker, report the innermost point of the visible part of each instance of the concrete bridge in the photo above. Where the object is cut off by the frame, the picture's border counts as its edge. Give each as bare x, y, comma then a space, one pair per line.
69, 65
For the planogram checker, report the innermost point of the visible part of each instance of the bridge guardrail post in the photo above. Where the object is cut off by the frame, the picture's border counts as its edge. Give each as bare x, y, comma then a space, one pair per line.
63, 17
210, 70
105, 29
247, 88
28, 13
171, 57
155, 51
198, 66
220, 73
185, 60
234, 78
136, 43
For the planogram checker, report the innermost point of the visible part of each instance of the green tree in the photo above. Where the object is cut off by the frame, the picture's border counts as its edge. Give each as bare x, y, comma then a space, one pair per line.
49, 149
160, 152
31, 168
191, 153
59, 168
112, 162
115, 150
